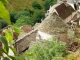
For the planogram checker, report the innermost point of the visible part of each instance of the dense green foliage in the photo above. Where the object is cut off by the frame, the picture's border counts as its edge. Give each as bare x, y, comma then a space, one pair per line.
7, 41
3, 23
49, 50
26, 17
48, 3
33, 16
37, 16
36, 5
5, 2
4, 14
24, 20
12, 16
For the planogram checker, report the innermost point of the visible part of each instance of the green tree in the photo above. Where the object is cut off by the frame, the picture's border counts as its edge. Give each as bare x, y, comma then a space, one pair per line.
47, 3
12, 16
36, 5
23, 20
21, 13
37, 15
3, 23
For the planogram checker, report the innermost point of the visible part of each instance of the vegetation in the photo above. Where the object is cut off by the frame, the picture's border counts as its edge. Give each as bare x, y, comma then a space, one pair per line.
35, 12
37, 16
48, 3
23, 20
36, 5
3, 23
49, 50
18, 5
4, 14
7, 40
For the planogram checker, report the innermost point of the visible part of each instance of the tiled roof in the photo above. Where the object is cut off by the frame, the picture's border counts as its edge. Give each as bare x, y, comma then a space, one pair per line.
26, 28
64, 11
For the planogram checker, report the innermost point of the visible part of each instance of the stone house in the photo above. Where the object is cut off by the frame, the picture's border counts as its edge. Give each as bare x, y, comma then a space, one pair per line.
51, 26
65, 11
58, 18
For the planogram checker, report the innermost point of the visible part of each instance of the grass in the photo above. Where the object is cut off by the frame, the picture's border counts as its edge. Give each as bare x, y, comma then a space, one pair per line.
20, 4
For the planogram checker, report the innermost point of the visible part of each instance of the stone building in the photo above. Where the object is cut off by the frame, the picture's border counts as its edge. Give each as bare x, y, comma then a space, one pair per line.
58, 19
51, 26
65, 11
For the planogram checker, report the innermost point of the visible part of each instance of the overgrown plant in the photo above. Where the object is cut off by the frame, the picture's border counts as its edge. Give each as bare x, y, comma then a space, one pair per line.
7, 41
49, 50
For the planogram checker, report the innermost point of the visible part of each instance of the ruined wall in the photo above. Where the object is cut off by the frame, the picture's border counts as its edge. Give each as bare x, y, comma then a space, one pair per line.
70, 17
23, 43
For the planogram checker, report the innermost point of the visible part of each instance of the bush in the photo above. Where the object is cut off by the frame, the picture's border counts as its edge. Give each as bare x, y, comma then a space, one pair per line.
23, 20
12, 16
47, 3
3, 23
36, 5
37, 16
21, 13
47, 50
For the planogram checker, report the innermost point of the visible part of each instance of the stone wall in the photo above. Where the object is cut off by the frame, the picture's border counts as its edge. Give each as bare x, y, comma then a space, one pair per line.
23, 43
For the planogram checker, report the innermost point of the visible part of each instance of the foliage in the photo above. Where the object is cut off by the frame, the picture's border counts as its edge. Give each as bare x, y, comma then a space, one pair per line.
48, 3
12, 16
8, 35
36, 5
21, 13
4, 14
5, 2
57, 58
74, 56
23, 20
7, 41
3, 23
37, 16
47, 50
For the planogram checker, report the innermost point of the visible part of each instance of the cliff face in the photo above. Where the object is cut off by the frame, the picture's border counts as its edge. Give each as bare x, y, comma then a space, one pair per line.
53, 24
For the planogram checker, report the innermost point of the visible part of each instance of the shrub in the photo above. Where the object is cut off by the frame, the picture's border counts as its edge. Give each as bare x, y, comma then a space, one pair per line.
12, 16
21, 13
47, 3
47, 50
36, 5
37, 16
3, 23
23, 20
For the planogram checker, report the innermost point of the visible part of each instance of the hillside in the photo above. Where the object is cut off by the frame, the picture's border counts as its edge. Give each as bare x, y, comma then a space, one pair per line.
20, 4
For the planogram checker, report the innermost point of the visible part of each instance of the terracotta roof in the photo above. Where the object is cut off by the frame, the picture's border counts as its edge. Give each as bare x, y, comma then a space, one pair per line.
26, 28
64, 11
